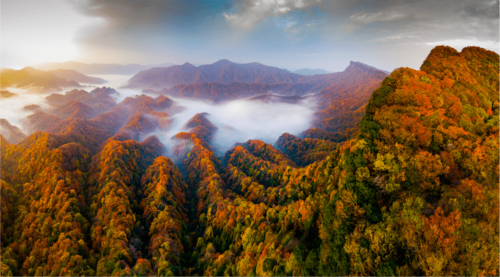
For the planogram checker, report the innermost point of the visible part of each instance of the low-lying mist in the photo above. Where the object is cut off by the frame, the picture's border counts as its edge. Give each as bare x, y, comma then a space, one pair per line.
12, 108
116, 82
237, 121
241, 120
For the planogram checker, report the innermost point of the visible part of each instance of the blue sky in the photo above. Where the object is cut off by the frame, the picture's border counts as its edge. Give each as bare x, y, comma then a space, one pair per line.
291, 34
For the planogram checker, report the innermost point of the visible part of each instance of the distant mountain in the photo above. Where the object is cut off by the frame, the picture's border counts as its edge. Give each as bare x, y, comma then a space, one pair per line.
30, 77
32, 108
99, 69
274, 98
341, 96
6, 94
309, 72
386, 72
72, 75
99, 99
222, 72
215, 92
40, 121
10, 132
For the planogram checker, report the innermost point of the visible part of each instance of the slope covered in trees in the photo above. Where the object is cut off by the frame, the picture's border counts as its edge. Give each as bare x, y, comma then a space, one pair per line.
29, 77
99, 99
221, 72
414, 192
11, 132
73, 75
340, 97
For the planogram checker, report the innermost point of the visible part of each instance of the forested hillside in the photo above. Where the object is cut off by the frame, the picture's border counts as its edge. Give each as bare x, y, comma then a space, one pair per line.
413, 192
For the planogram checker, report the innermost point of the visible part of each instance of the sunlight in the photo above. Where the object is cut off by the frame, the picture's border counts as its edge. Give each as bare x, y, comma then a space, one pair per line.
50, 51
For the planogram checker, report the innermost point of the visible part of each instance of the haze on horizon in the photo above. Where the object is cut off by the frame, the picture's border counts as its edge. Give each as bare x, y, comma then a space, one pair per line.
290, 34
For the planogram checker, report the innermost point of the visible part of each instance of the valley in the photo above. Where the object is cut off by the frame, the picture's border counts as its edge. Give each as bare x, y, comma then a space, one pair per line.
245, 169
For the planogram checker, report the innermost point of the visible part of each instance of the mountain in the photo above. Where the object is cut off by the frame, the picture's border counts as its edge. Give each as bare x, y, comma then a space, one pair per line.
73, 75
202, 127
305, 151
142, 124
99, 99
31, 108
309, 72
215, 92
40, 121
221, 72
413, 192
98, 69
146, 104
385, 71
74, 109
31, 78
355, 82
343, 99
6, 94
75, 94
10, 132
274, 98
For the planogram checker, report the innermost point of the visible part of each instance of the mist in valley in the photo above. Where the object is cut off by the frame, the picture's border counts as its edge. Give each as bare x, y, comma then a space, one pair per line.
13, 108
241, 120
237, 121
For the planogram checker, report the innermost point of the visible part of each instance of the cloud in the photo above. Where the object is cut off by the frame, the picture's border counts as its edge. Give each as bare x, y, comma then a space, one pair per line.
483, 9
394, 38
248, 13
130, 31
367, 18
422, 22
12, 110
461, 43
241, 120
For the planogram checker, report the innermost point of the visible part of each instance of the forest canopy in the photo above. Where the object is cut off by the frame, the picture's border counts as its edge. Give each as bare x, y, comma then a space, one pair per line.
411, 188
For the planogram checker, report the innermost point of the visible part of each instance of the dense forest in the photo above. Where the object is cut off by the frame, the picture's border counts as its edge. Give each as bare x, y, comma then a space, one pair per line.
412, 189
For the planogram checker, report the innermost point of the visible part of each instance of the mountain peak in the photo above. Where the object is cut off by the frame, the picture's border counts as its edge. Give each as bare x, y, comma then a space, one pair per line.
223, 61
29, 69
365, 66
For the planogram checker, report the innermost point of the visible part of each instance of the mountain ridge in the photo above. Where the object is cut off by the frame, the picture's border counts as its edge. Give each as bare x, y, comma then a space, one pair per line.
413, 192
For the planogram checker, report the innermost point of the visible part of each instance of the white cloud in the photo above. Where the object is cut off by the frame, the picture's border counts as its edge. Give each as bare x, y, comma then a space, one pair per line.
241, 120
394, 37
367, 18
251, 12
461, 43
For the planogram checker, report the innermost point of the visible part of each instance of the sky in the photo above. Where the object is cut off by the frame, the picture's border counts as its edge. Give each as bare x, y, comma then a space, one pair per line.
289, 34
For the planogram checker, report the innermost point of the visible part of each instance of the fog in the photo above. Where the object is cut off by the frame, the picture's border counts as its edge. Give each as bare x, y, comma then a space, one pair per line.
116, 82
237, 121
12, 108
241, 120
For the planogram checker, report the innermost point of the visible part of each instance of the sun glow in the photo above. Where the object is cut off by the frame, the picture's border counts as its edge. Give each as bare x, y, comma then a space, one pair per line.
30, 36
49, 51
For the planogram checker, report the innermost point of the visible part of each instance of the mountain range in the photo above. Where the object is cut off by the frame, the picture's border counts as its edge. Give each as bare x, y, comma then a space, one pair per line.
308, 71
30, 78
341, 97
222, 72
73, 75
412, 191
98, 68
